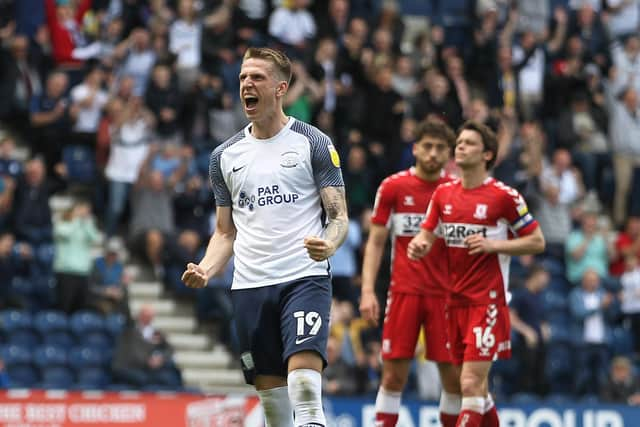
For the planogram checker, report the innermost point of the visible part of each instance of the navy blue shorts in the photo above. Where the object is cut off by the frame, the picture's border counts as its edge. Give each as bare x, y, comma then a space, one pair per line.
275, 322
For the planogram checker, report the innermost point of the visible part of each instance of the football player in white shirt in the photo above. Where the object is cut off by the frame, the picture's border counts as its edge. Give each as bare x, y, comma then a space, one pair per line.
273, 181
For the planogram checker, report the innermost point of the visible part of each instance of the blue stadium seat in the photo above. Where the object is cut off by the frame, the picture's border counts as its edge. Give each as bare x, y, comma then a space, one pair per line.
91, 378
22, 376
18, 361
86, 357
555, 301
48, 321
80, 162
89, 329
85, 321
559, 368
559, 327
49, 355
15, 320
57, 377
115, 323
18, 328
524, 398
59, 338
16, 355
622, 341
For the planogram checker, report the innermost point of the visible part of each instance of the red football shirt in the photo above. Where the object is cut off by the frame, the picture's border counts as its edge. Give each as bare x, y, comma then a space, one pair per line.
401, 202
493, 210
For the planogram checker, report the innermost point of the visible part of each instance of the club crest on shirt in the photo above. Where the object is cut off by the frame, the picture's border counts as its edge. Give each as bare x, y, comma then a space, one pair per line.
447, 209
289, 159
481, 211
408, 201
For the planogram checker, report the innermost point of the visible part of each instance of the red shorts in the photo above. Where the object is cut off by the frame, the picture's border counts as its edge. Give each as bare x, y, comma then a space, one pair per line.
404, 316
479, 333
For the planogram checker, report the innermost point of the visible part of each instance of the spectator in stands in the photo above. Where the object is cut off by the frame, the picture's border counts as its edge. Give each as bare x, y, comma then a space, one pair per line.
304, 94
51, 116
131, 129
185, 39
587, 247
152, 213
529, 323
624, 18
65, 20
344, 265
138, 59
624, 129
583, 131
589, 27
627, 244
561, 187
293, 27
437, 99
339, 378
455, 18
143, 357
10, 266
10, 171
622, 385
630, 296
591, 307
74, 236
20, 82
163, 99
10, 166
218, 39
358, 180
88, 99
213, 303
5, 382
32, 215
626, 62
334, 23
177, 253
108, 281
352, 79
193, 207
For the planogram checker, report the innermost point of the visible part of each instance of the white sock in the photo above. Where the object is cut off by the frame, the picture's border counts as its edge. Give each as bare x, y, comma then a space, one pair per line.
388, 402
305, 393
488, 403
475, 404
450, 403
277, 407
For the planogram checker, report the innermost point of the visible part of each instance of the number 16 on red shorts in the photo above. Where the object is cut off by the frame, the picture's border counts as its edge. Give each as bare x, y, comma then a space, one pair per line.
479, 333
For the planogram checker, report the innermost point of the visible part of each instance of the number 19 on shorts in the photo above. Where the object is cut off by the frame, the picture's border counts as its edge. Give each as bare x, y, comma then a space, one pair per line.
307, 323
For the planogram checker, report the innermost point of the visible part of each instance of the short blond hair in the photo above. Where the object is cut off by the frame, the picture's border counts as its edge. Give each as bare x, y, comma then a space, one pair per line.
280, 61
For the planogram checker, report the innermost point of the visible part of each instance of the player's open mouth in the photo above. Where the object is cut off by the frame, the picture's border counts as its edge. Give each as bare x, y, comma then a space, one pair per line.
250, 102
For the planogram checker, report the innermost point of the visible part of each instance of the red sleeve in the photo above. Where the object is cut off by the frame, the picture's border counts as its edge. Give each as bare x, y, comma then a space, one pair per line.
432, 217
516, 212
61, 41
83, 7
383, 206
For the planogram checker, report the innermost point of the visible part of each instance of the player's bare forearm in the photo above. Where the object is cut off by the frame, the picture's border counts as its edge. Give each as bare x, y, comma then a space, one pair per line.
218, 253
335, 205
530, 244
373, 252
220, 247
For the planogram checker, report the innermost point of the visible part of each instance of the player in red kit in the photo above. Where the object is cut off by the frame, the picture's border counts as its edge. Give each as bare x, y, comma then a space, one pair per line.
475, 216
417, 293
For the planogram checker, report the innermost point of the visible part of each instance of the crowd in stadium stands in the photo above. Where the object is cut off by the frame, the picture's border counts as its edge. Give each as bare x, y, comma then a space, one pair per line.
121, 102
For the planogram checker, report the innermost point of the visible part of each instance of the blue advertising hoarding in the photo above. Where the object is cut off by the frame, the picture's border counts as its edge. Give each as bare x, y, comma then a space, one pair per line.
347, 412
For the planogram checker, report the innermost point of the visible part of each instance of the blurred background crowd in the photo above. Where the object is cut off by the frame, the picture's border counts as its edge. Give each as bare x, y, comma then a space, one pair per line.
120, 102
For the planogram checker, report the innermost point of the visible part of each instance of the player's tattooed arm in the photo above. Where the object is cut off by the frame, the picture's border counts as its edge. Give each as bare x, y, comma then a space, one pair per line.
335, 206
